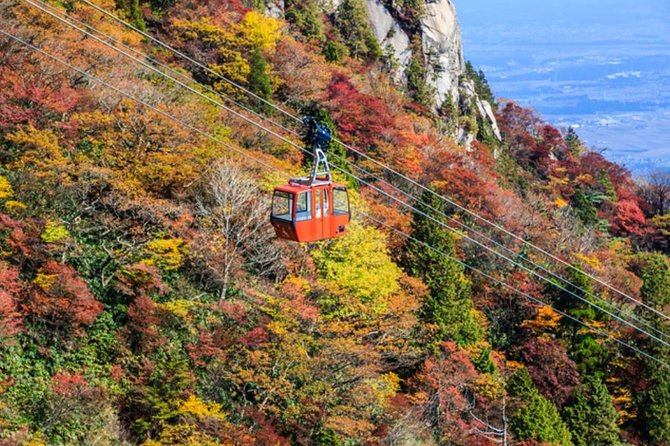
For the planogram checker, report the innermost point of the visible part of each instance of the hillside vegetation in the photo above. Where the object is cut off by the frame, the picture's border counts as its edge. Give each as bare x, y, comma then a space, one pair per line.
144, 298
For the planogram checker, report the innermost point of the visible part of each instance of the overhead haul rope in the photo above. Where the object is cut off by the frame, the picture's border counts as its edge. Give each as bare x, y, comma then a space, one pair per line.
260, 126
269, 166
385, 167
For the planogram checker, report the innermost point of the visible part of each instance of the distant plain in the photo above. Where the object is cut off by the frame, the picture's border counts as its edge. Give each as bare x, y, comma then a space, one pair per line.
601, 66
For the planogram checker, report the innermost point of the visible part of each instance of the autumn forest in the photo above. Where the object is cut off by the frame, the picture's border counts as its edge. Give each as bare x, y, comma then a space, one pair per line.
499, 283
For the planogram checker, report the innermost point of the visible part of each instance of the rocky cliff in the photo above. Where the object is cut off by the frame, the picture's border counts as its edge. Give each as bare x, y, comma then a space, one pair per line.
442, 48
422, 44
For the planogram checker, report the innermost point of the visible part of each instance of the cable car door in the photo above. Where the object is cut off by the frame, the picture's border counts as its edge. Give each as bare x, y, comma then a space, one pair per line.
321, 217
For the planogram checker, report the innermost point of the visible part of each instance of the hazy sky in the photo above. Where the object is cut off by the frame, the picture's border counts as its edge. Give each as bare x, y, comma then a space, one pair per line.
602, 66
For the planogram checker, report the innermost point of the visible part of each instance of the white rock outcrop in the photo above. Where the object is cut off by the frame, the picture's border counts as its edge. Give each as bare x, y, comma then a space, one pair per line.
442, 41
275, 9
488, 113
389, 34
442, 46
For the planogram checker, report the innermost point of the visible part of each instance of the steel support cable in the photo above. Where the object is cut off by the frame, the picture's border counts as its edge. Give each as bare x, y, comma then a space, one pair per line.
385, 167
403, 203
269, 166
411, 197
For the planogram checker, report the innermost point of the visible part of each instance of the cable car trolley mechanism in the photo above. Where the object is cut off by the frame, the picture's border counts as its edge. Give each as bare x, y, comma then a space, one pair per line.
312, 208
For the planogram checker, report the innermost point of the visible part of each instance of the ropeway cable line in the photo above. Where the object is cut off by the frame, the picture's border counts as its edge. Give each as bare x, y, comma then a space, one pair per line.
267, 165
377, 189
395, 172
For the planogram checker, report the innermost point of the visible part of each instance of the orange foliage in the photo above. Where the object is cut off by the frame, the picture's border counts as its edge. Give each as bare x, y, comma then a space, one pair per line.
61, 298
10, 288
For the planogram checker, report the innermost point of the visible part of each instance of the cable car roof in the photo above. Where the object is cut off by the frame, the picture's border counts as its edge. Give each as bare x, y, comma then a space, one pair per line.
295, 188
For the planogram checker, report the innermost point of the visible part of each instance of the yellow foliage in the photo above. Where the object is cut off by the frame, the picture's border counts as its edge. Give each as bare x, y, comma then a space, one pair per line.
599, 325
514, 365
201, 409
662, 222
623, 399
54, 232
271, 180
489, 386
259, 31
298, 283
560, 202
203, 30
40, 150
179, 307
165, 253
184, 435
234, 45
554, 181
45, 281
480, 318
277, 328
37, 440
385, 387
592, 262
358, 267
234, 67
475, 349
584, 178
166, 158
546, 318
15, 206
93, 124
6, 189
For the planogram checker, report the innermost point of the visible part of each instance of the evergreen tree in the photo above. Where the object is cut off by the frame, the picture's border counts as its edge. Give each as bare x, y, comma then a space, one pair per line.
654, 403
482, 86
592, 418
259, 80
417, 75
584, 349
573, 141
134, 12
585, 209
449, 304
352, 22
306, 17
536, 417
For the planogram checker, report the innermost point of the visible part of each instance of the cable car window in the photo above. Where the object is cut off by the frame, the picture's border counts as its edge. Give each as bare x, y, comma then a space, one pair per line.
326, 200
282, 202
340, 201
303, 206
317, 206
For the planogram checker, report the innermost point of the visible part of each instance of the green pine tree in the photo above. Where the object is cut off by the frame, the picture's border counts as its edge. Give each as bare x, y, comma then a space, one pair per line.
417, 75
259, 80
654, 403
449, 304
536, 417
352, 22
306, 17
592, 418
585, 209
584, 349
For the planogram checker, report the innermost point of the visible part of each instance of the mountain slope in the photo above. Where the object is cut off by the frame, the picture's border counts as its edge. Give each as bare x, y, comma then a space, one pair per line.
145, 300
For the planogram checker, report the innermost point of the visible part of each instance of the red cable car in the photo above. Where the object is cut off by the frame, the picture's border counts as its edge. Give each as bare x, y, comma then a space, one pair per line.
312, 208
